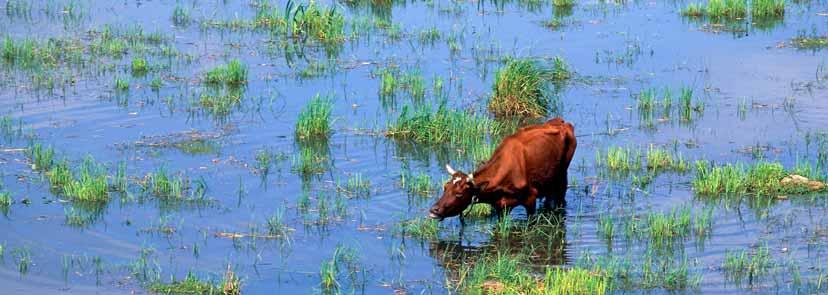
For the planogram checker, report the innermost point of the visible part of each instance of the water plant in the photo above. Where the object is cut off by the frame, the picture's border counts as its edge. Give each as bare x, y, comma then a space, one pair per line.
166, 186
813, 41
760, 179
718, 9
741, 265
502, 273
423, 124
315, 118
180, 16
520, 89
419, 184
233, 73
418, 227
5, 202
767, 9
121, 84
189, 285
139, 66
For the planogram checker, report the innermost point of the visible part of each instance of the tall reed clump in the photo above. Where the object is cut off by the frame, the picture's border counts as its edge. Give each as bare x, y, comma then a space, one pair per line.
315, 119
423, 124
233, 73
521, 88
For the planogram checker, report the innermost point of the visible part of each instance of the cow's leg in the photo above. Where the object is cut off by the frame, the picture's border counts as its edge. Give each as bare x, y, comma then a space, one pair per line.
559, 192
531, 202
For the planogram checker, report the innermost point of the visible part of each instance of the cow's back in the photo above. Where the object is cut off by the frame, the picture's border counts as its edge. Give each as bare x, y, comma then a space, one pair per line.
535, 155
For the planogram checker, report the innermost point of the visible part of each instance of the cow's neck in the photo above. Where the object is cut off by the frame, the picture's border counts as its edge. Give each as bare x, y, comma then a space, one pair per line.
483, 176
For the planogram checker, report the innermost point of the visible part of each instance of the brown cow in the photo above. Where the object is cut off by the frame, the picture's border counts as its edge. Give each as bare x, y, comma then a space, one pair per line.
527, 165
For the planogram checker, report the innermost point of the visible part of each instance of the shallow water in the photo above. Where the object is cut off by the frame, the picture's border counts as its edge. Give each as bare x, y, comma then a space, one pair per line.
756, 92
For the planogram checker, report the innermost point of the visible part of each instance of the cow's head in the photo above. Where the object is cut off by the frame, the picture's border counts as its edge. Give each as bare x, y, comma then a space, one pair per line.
458, 194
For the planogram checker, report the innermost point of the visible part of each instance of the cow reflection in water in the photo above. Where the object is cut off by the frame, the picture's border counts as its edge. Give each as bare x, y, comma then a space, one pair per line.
541, 239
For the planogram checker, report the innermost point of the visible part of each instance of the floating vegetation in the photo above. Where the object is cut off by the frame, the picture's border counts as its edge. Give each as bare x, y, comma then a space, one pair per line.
521, 88
233, 73
315, 119
423, 124
759, 179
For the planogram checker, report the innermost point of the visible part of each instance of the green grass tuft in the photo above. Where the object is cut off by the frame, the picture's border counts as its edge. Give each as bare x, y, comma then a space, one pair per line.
418, 227
189, 285
315, 119
760, 179
741, 265
139, 66
121, 84
424, 125
233, 73
521, 89
505, 274
767, 9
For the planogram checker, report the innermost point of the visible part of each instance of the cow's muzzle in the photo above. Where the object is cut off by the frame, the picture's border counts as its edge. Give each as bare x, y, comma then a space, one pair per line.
434, 213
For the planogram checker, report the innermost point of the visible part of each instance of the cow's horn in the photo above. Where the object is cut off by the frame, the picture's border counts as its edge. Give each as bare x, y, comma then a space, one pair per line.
450, 170
470, 178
